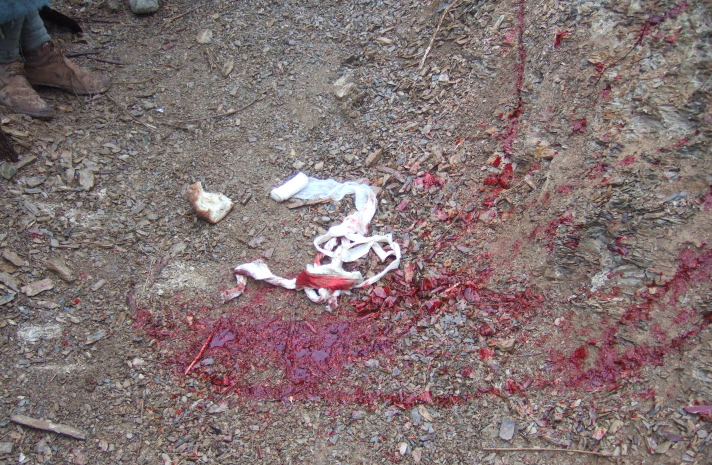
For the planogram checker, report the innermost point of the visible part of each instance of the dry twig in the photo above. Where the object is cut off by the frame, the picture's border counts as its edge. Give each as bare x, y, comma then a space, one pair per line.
170, 20
111, 61
211, 60
177, 124
435, 34
544, 449
131, 83
155, 270
47, 425
78, 53
200, 354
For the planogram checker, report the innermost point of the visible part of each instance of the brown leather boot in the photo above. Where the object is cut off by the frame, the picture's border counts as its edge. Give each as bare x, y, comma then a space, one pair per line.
18, 96
47, 66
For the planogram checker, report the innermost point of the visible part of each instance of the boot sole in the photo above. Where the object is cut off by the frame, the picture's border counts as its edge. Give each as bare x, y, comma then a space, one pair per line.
72, 90
44, 115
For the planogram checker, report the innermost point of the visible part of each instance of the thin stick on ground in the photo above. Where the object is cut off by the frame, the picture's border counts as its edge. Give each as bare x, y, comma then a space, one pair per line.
111, 61
142, 407
148, 275
154, 270
170, 20
219, 115
435, 34
200, 354
544, 449
47, 425
131, 83
78, 53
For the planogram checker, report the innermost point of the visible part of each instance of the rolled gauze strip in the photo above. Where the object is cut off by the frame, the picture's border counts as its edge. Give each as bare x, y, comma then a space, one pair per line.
289, 188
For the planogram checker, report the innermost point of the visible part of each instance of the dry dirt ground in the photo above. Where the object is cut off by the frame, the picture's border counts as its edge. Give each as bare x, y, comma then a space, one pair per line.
544, 165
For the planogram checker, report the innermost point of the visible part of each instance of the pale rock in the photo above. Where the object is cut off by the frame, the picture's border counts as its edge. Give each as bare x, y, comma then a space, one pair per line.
344, 86
143, 7
374, 157
506, 430
205, 37
37, 287
65, 167
227, 67
9, 281
13, 258
57, 265
7, 170
86, 179
342, 92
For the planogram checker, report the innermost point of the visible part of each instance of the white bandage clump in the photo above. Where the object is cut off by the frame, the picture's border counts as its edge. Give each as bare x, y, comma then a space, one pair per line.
343, 243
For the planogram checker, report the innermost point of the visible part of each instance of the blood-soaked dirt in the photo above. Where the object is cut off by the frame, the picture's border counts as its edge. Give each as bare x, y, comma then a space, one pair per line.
605, 361
259, 353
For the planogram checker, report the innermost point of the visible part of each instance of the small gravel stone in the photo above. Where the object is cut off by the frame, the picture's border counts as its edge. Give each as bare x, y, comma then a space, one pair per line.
86, 179
506, 430
205, 37
7, 170
37, 287
58, 266
142, 7
13, 258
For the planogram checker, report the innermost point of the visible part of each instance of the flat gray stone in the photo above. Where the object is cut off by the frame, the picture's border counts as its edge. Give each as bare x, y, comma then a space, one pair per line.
7, 170
506, 431
142, 7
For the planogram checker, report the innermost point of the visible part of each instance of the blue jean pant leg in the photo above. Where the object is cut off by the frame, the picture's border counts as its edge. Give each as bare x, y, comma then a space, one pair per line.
33, 32
10, 40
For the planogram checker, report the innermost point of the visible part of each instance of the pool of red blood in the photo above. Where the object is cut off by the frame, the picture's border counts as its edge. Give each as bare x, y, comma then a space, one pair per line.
263, 350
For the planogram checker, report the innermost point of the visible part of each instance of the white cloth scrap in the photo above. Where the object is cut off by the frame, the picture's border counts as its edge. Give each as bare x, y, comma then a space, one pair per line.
342, 243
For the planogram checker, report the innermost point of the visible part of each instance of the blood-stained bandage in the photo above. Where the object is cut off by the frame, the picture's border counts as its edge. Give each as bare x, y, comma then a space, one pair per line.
343, 243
